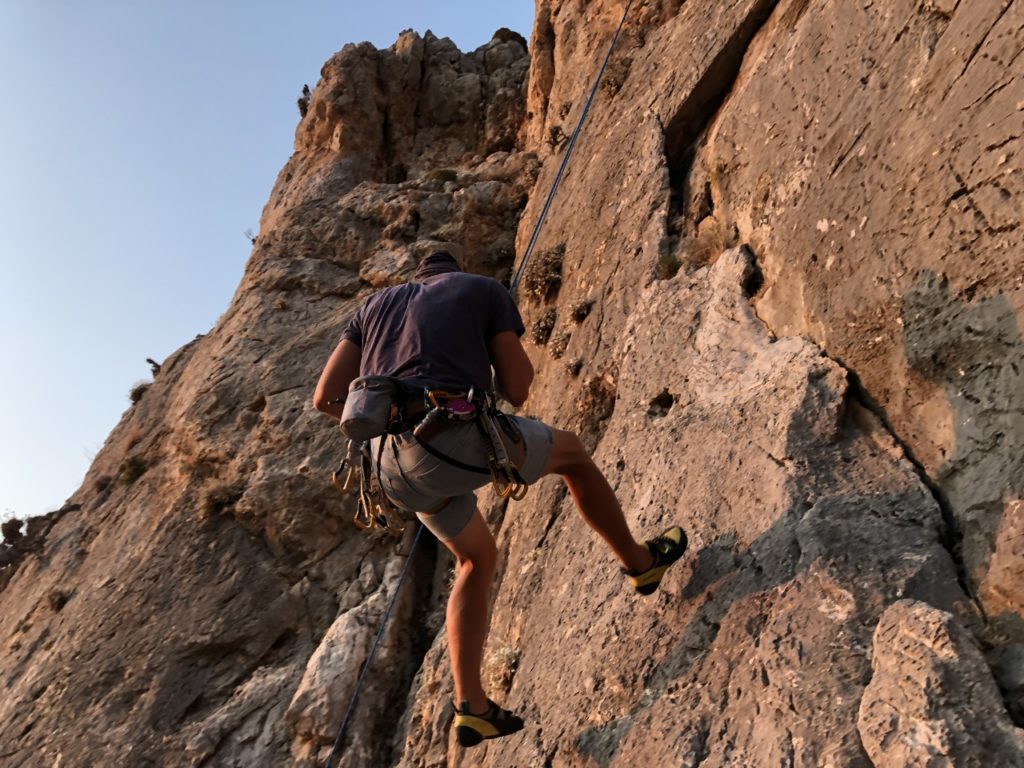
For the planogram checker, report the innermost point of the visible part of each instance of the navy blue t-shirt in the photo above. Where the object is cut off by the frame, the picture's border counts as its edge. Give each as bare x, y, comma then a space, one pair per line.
434, 332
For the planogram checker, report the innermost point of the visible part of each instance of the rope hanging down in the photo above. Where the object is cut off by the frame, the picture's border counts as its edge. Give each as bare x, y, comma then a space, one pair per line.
565, 158
373, 648
512, 289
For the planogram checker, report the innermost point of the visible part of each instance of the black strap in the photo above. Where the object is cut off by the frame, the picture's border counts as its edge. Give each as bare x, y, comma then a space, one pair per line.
449, 460
380, 453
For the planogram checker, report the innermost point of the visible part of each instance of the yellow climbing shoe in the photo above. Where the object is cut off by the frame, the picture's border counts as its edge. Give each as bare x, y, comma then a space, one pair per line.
666, 549
471, 729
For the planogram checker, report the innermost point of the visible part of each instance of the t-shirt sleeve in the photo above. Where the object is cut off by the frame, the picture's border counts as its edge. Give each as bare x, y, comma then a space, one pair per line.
504, 313
354, 330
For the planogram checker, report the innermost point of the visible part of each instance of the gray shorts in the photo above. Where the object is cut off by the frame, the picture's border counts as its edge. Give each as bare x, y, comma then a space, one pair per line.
441, 494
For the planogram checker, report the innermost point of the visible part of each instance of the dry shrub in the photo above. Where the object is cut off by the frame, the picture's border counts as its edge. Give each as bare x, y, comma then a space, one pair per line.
580, 310
667, 267
543, 275
706, 246
556, 137
138, 390
57, 599
507, 35
500, 668
132, 469
221, 497
442, 174
615, 75
559, 344
542, 328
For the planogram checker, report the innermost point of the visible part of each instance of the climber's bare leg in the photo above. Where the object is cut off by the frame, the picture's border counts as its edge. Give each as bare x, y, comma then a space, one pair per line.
467, 614
595, 498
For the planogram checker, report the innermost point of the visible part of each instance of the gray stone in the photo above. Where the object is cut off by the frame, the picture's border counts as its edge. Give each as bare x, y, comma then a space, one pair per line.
931, 700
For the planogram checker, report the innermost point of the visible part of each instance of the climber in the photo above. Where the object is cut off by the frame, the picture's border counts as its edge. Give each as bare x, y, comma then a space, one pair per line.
443, 333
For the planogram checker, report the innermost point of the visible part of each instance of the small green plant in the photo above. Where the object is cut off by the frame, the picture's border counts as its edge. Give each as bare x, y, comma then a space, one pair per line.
542, 328
132, 469
443, 175
138, 390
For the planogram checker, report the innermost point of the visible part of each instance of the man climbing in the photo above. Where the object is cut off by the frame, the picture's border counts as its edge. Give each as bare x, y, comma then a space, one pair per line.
447, 336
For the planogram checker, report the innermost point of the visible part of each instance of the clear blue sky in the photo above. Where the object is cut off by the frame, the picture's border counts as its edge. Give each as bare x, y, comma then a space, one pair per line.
139, 140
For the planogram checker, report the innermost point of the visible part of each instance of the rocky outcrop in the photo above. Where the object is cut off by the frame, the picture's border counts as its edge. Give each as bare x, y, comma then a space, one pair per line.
881, 200
209, 554
930, 701
779, 297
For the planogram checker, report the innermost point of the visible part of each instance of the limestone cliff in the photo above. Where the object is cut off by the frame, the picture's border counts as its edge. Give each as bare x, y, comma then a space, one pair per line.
780, 295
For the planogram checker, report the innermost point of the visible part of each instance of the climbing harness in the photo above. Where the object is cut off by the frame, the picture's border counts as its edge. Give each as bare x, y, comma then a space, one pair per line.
485, 413
427, 417
506, 480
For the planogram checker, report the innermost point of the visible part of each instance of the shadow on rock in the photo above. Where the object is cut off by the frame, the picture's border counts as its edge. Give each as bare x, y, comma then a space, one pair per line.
975, 351
721, 576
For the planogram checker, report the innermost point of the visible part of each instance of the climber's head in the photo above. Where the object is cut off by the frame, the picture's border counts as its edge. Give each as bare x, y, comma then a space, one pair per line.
436, 263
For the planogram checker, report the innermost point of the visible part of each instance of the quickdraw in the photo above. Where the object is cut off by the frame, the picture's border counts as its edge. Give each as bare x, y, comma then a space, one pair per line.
374, 510
464, 407
504, 476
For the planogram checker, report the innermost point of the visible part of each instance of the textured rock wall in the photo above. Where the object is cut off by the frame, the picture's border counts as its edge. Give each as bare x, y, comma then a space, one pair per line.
203, 598
874, 165
779, 295
805, 155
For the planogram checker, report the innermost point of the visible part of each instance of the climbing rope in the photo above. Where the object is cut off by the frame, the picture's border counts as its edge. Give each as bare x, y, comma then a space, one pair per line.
512, 290
565, 158
373, 649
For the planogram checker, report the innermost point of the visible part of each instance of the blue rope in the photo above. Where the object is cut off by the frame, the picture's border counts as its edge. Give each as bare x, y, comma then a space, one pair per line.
565, 158
373, 649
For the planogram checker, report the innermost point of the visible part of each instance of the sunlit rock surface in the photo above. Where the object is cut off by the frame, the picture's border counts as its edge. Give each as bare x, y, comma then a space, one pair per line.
780, 296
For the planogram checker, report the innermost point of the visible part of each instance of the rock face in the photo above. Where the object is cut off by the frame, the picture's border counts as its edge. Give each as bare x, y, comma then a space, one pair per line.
210, 555
927, 670
779, 295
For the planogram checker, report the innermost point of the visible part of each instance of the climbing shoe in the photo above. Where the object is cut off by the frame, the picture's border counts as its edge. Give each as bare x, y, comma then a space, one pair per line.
471, 729
666, 549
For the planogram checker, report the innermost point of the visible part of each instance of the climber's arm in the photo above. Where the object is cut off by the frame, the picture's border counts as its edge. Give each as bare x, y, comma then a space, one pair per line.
513, 371
341, 369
